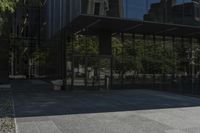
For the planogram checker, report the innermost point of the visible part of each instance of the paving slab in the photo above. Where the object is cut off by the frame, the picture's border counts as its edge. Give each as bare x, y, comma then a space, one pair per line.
117, 111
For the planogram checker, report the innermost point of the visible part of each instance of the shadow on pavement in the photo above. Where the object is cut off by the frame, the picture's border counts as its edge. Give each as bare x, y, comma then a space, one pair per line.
35, 98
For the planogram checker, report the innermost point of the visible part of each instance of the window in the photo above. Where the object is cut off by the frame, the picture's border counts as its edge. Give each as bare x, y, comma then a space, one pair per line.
97, 8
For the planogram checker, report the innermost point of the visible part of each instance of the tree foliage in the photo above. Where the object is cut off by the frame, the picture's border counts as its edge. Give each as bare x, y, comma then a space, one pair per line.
7, 5
139, 57
85, 45
143, 56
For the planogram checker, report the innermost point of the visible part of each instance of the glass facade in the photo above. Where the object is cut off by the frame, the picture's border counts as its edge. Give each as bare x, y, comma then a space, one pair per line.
184, 12
58, 15
168, 62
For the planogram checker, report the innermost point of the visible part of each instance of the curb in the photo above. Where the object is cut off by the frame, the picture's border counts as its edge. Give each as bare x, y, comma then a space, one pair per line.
14, 113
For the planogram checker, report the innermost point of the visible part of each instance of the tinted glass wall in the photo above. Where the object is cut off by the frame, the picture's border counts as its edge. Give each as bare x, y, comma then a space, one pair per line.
112, 8
186, 12
58, 15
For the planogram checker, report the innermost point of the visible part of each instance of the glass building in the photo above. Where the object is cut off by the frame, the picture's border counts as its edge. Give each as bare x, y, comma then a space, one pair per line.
183, 12
165, 11
115, 43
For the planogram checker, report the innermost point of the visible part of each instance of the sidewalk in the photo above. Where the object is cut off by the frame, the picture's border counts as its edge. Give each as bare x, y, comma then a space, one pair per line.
122, 111
7, 124
5, 87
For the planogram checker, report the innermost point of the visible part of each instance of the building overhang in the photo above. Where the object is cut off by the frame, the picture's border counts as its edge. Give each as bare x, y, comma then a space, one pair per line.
94, 24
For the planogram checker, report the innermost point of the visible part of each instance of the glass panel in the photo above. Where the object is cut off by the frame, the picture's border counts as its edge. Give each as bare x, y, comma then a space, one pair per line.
105, 73
135, 9
185, 12
69, 72
117, 66
79, 72
93, 72
195, 62
75, 8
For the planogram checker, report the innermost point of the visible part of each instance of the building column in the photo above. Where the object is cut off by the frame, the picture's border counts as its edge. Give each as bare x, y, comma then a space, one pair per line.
64, 40
163, 64
105, 43
4, 58
134, 47
185, 70
192, 65
174, 76
154, 74
123, 58
198, 86
144, 72
105, 49
72, 67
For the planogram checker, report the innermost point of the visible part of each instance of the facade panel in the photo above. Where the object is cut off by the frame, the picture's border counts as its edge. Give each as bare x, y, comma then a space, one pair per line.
58, 15
113, 8
75, 8
184, 12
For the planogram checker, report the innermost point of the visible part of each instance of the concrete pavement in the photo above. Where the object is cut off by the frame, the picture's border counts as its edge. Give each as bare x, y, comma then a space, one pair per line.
124, 111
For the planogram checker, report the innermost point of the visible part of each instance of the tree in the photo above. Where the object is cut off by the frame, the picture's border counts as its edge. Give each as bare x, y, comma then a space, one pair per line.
85, 45
7, 5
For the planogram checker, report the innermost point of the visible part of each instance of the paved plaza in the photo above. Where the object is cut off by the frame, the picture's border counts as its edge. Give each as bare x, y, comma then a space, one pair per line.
41, 110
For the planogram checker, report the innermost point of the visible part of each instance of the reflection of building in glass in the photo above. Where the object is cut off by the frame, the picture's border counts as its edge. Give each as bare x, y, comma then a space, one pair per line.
102, 7
101, 43
98, 7
171, 12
